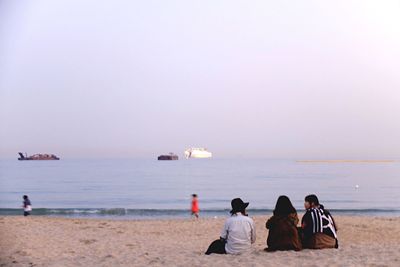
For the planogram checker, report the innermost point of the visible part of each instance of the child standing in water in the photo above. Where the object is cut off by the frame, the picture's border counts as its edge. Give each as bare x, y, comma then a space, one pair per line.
195, 206
27, 206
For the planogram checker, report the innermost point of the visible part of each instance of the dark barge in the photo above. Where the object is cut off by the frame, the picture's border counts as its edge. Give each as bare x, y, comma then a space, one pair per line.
38, 157
170, 156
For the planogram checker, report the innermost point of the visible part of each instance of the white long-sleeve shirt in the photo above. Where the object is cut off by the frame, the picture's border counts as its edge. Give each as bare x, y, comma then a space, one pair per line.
239, 232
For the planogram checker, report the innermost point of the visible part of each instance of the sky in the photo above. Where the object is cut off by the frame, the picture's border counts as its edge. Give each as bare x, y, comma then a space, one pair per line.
136, 79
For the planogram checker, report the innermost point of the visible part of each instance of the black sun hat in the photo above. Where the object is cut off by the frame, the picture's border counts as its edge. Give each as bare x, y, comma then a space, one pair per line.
238, 205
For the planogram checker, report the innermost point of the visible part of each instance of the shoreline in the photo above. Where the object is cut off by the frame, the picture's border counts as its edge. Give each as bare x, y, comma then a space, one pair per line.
155, 214
54, 241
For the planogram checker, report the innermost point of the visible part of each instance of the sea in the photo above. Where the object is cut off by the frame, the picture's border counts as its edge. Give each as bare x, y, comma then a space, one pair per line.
147, 188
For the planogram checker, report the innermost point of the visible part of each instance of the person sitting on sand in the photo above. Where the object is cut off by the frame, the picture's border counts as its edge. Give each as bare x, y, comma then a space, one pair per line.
26, 205
238, 233
283, 234
318, 227
195, 206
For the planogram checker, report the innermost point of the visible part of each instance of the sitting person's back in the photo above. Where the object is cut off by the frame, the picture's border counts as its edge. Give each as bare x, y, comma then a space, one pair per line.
238, 232
283, 234
319, 229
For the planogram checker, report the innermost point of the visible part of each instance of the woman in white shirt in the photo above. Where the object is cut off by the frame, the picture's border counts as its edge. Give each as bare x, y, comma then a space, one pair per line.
238, 233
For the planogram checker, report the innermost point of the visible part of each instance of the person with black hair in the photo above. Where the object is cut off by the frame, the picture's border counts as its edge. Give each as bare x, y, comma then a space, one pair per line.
318, 226
283, 234
238, 233
26, 205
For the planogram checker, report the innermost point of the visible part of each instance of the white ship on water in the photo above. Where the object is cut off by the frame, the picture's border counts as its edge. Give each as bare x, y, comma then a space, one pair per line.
195, 152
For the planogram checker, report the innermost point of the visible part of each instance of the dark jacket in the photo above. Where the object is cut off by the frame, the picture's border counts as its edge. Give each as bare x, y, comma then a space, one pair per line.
317, 234
26, 202
283, 234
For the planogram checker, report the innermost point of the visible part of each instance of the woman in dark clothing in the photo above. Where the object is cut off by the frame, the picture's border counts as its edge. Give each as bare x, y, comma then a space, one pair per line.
318, 226
283, 234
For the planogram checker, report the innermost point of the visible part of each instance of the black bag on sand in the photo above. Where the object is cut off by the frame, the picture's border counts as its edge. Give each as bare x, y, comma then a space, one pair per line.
217, 246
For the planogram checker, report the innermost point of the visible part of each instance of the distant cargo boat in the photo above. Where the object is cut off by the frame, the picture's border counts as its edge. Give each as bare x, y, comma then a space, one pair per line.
38, 157
197, 153
170, 156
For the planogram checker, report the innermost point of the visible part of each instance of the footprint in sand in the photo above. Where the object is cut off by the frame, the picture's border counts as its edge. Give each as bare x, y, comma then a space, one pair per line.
21, 252
103, 225
88, 241
109, 256
156, 233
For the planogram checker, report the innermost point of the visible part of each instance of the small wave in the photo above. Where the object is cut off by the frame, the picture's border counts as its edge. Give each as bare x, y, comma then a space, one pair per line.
156, 213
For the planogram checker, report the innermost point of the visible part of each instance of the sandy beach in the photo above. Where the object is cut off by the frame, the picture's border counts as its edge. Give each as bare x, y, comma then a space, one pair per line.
46, 241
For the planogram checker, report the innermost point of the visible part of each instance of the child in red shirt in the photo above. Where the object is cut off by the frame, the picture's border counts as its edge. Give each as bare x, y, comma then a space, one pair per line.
195, 206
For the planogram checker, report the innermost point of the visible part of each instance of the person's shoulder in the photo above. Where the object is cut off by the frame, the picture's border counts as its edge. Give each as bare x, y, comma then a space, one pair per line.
326, 212
307, 213
229, 219
247, 218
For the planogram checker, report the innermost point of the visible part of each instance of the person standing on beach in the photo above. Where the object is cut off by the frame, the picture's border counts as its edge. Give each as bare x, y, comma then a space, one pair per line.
318, 227
195, 206
238, 233
27, 205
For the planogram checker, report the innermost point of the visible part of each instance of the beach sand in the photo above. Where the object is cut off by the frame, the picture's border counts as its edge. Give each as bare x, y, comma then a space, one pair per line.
47, 241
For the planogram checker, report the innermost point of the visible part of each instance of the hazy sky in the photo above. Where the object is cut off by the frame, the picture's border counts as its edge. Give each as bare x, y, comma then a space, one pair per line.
275, 79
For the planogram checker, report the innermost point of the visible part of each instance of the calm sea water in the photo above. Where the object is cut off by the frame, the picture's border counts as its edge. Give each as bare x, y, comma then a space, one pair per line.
148, 188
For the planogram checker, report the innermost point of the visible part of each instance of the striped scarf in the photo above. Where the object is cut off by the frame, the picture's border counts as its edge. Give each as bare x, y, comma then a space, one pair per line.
322, 222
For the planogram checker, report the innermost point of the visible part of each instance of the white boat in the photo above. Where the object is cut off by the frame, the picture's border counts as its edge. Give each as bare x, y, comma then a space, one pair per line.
195, 152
